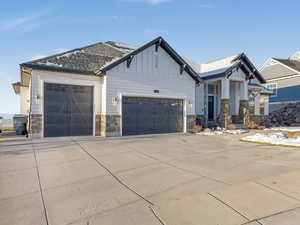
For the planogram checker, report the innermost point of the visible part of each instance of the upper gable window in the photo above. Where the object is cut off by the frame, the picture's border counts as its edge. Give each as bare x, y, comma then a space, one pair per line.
273, 87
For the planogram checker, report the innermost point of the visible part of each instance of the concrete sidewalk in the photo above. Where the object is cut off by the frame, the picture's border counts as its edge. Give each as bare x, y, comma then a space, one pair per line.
150, 180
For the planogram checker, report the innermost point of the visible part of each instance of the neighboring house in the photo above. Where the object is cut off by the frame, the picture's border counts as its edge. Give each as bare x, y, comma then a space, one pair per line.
113, 89
231, 91
283, 77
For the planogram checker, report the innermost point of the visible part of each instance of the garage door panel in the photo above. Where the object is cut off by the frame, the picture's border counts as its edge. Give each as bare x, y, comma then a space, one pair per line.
151, 115
68, 110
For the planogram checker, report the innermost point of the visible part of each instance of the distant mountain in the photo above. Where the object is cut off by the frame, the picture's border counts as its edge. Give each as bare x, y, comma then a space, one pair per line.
7, 115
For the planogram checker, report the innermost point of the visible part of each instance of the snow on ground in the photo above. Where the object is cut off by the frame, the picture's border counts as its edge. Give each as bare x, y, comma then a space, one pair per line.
223, 132
288, 129
273, 138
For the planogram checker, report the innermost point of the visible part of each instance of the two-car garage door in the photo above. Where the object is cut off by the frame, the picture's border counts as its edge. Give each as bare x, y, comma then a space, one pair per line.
68, 110
151, 115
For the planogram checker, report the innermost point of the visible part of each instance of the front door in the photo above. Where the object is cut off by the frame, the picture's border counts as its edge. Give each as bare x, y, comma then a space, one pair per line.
211, 107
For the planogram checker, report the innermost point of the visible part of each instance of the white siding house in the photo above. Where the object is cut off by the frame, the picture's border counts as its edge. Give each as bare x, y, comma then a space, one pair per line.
154, 71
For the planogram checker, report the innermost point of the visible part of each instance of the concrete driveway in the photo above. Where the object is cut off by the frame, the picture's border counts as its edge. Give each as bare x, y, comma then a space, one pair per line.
151, 180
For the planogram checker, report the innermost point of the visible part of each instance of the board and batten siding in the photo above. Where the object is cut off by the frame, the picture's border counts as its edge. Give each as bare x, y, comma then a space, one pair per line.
149, 71
39, 77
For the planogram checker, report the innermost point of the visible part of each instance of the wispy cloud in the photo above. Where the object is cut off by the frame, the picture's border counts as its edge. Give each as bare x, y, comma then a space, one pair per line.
152, 2
24, 23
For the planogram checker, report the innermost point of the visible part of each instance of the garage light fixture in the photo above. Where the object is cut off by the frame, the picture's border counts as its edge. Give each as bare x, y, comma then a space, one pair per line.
115, 100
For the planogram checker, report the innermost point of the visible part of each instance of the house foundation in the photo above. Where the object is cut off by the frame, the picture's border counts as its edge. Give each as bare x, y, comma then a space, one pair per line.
190, 122
244, 112
110, 125
35, 125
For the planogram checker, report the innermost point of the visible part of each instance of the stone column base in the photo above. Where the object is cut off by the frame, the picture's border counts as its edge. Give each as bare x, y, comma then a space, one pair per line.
190, 122
225, 117
98, 125
261, 120
244, 112
110, 125
35, 125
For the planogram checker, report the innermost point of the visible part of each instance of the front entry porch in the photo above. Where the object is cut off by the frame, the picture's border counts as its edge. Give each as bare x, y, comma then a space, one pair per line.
226, 102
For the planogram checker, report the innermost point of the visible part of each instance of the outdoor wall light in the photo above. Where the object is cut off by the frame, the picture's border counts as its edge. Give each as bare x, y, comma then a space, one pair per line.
37, 99
115, 100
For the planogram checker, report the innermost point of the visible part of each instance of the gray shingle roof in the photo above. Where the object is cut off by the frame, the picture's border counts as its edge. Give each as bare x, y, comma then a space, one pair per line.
101, 57
86, 59
294, 64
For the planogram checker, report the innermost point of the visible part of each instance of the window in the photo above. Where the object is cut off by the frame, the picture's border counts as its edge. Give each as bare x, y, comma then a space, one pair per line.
273, 87
211, 89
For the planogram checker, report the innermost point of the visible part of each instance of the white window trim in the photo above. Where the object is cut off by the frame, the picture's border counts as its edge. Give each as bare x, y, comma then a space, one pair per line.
276, 88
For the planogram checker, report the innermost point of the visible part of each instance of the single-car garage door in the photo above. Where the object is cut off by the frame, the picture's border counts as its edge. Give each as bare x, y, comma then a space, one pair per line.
68, 110
151, 115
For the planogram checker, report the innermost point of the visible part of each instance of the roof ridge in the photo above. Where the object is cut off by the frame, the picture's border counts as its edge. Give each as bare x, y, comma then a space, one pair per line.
237, 55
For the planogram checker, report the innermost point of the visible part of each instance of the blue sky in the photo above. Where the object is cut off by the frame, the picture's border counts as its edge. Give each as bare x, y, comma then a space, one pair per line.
199, 30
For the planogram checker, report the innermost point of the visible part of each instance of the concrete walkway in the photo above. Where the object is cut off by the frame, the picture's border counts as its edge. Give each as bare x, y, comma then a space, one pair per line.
150, 180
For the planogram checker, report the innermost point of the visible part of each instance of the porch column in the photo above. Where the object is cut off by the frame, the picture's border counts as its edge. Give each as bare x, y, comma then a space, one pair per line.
266, 108
244, 110
225, 118
257, 105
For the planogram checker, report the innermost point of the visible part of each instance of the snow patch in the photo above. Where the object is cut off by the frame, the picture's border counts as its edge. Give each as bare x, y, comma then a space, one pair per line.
288, 129
50, 64
273, 138
209, 133
70, 53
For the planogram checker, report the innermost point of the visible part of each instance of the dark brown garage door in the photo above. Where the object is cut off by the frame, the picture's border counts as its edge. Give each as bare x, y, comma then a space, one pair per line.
151, 115
68, 110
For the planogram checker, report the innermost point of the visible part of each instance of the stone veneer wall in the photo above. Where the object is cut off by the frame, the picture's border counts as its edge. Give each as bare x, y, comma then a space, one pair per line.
225, 117
35, 124
98, 125
110, 125
190, 122
244, 112
261, 120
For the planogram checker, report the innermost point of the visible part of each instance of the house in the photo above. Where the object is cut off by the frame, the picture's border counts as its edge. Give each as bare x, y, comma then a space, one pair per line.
283, 77
114, 89
232, 91
109, 89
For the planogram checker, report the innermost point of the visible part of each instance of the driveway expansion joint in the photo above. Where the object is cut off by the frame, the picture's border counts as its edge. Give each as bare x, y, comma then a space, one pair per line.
185, 170
156, 215
226, 204
40, 185
112, 174
280, 192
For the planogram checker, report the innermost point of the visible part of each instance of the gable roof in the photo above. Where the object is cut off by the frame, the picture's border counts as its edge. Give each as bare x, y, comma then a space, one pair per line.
98, 58
294, 64
82, 60
159, 42
224, 67
276, 70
